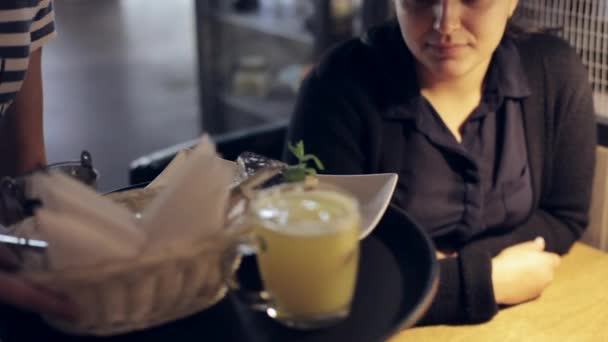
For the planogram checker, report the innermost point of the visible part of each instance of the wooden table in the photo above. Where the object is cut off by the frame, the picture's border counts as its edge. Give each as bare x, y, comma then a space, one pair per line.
573, 308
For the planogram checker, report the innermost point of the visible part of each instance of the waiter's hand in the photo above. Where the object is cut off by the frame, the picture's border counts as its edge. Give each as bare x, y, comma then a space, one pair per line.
18, 292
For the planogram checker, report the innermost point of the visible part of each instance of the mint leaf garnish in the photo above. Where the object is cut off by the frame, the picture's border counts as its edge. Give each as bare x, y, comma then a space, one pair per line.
298, 172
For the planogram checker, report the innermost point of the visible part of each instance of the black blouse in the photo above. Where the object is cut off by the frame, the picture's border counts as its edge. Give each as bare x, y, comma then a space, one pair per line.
481, 183
531, 139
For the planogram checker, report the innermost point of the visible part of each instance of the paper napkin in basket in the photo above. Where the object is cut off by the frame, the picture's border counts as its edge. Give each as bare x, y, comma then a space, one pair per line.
129, 274
72, 247
82, 227
193, 202
177, 162
161, 180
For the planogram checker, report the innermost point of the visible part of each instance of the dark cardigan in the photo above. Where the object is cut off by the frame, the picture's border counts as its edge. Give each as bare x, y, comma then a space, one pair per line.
348, 114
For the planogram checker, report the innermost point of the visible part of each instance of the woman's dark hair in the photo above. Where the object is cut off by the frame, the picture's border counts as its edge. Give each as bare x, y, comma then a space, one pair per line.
516, 26
519, 25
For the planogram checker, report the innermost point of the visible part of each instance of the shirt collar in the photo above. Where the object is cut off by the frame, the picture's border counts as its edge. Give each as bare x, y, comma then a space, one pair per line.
505, 76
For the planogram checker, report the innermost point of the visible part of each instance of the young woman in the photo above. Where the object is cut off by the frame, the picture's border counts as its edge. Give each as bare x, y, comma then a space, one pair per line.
25, 26
492, 134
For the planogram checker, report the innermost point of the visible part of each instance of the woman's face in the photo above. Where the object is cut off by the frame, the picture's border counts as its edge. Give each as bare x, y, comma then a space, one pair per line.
450, 38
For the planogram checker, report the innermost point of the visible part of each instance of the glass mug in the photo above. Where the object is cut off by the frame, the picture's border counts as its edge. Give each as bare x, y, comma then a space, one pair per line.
306, 243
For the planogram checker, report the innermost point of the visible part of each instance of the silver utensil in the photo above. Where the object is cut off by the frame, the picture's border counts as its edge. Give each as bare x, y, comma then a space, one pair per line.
23, 244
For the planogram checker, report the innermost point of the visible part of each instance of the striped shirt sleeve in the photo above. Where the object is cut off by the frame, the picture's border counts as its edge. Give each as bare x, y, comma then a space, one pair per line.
43, 25
25, 26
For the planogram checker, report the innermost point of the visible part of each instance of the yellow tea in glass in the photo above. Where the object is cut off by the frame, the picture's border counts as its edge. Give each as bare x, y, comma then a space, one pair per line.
308, 254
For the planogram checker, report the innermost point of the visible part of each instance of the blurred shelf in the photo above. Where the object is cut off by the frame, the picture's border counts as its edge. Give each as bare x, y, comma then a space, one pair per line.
288, 27
268, 109
286, 32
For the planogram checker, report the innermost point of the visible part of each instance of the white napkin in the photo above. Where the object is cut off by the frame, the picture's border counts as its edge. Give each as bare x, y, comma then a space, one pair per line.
64, 195
175, 164
193, 203
82, 227
74, 243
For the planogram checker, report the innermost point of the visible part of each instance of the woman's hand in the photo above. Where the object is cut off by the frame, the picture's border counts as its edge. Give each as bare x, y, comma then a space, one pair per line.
521, 272
445, 254
18, 292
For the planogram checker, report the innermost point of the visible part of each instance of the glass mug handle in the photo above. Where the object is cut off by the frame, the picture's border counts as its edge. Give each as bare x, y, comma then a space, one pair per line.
247, 245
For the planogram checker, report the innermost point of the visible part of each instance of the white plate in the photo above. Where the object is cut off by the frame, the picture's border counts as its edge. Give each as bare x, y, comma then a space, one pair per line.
373, 191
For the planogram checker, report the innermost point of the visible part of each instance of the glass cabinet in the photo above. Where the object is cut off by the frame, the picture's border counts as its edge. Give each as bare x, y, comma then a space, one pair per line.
253, 54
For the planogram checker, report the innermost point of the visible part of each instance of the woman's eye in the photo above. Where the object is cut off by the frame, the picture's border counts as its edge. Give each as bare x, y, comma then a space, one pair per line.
419, 3
429, 3
473, 3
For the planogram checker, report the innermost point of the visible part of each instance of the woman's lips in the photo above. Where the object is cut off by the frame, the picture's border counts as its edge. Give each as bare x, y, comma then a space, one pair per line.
447, 50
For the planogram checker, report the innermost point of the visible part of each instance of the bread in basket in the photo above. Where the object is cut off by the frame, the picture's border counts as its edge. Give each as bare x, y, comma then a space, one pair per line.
161, 285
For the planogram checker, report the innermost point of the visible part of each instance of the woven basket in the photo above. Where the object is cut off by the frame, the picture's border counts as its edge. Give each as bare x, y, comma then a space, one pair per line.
158, 287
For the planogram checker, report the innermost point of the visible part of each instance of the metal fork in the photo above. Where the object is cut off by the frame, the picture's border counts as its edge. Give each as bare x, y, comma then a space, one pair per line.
18, 244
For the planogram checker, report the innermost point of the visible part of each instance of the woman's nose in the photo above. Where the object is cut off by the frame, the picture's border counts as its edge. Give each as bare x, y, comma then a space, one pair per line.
446, 16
